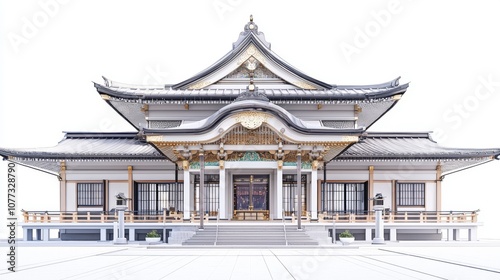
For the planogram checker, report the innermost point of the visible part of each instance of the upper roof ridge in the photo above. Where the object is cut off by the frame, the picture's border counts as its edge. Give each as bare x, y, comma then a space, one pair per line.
251, 29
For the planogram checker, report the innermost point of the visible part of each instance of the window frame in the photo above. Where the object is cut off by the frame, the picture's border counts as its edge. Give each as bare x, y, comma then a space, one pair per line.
411, 196
90, 192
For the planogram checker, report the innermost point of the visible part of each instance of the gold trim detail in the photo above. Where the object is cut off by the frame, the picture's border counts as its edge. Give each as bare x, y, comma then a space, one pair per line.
303, 85
347, 138
249, 52
201, 84
251, 119
154, 138
105, 97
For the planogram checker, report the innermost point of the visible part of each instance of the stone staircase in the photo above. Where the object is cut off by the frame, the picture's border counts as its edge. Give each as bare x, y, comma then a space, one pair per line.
250, 235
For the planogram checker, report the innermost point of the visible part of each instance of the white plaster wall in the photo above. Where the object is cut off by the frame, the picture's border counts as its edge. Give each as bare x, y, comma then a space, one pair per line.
71, 196
99, 175
346, 175
404, 174
430, 197
385, 189
115, 188
149, 175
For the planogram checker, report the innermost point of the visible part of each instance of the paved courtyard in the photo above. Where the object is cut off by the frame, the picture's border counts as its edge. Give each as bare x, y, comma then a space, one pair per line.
91, 260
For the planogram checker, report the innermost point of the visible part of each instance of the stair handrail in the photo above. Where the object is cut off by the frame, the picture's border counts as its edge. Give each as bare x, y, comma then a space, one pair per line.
284, 226
217, 228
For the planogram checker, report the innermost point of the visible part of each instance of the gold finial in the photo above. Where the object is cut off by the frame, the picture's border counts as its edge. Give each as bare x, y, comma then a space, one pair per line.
251, 18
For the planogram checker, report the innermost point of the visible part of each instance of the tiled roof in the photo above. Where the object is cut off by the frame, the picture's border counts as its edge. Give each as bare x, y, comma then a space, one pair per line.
90, 146
408, 145
336, 93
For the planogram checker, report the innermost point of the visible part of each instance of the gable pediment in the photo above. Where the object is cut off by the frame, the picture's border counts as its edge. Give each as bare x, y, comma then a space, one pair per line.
241, 62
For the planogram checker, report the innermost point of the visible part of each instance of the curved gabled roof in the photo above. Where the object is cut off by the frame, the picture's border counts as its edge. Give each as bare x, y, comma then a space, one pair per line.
252, 105
251, 43
150, 94
251, 37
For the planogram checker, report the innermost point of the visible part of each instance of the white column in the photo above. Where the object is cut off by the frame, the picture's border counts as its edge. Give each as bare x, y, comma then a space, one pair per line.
368, 234
222, 194
314, 194
46, 234
379, 226
393, 234
131, 234
473, 234
121, 225
279, 193
103, 234
187, 195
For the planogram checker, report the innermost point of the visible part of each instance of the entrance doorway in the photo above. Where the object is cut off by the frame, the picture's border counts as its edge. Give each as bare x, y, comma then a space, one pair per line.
251, 197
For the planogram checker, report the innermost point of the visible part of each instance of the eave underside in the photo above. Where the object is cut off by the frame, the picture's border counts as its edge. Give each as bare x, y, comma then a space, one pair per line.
405, 151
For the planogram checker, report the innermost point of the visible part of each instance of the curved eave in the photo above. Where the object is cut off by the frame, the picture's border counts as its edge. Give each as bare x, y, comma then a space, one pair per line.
254, 105
308, 95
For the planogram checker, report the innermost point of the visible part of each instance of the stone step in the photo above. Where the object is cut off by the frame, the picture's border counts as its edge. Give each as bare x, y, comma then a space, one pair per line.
251, 235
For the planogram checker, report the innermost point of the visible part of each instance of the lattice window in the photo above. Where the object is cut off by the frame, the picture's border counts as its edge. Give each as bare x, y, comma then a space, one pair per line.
344, 197
164, 124
90, 194
338, 124
211, 193
290, 193
152, 198
410, 194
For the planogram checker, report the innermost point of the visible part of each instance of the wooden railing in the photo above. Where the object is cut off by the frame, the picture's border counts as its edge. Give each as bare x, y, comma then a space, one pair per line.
99, 217
169, 217
402, 217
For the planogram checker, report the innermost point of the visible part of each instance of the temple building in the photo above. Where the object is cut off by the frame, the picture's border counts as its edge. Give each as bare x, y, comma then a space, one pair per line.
250, 138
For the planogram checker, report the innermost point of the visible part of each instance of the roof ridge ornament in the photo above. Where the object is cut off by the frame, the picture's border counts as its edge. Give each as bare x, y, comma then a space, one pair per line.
252, 93
251, 28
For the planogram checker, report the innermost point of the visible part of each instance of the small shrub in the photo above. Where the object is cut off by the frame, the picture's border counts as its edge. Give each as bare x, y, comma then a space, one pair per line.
346, 233
152, 233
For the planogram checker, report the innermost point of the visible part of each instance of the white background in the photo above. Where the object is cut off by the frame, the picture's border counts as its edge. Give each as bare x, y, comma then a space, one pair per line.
51, 52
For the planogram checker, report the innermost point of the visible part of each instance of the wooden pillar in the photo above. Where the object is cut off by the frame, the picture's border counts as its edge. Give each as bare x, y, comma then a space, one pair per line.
130, 188
222, 193
187, 190
393, 201
299, 189
314, 194
279, 191
202, 189
438, 187
62, 187
370, 187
